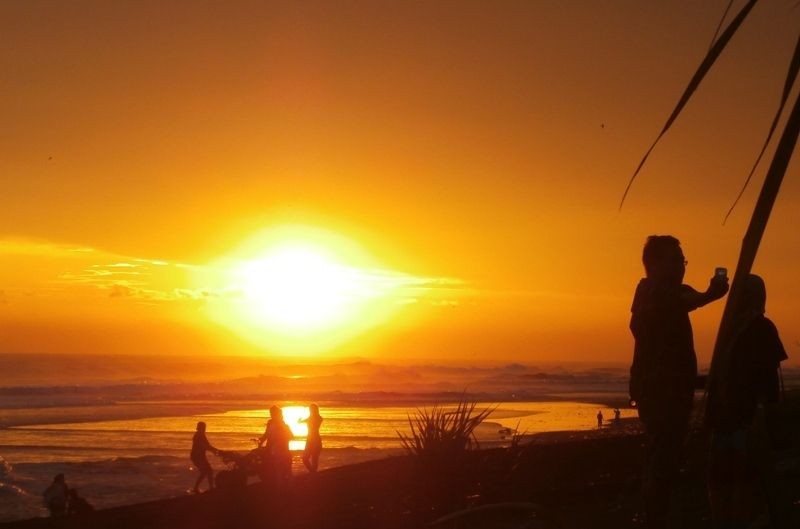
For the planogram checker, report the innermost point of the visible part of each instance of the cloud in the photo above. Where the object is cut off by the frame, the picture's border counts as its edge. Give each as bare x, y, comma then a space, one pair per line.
410, 289
116, 276
161, 281
151, 280
41, 248
120, 291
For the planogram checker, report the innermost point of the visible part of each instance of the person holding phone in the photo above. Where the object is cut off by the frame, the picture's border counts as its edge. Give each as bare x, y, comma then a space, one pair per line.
664, 367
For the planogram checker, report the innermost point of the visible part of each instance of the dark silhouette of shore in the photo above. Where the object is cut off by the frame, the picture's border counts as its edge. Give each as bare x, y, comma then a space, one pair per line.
588, 479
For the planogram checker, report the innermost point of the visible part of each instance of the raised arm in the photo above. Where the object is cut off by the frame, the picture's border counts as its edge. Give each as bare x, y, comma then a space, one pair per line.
692, 299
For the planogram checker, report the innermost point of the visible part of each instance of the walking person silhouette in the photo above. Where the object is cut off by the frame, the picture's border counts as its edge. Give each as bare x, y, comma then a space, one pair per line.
200, 446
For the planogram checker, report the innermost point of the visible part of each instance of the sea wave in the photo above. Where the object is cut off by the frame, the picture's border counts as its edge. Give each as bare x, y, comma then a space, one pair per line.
11, 490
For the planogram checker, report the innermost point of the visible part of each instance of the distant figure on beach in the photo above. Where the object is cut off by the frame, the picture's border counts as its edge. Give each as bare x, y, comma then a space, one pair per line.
740, 419
55, 496
617, 414
277, 437
77, 504
314, 440
664, 365
200, 446
600, 418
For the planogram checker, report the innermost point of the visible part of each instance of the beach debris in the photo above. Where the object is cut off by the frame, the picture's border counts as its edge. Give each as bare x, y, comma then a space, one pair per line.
506, 432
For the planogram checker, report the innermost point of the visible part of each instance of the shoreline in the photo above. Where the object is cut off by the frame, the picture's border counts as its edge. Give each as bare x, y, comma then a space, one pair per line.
18, 416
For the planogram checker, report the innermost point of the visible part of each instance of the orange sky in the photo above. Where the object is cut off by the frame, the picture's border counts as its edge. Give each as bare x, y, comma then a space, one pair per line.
479, 145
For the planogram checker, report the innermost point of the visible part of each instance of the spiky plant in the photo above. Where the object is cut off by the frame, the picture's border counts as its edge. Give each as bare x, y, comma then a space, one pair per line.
441, 432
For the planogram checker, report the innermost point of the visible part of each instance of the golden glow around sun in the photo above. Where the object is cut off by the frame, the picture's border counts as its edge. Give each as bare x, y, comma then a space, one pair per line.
300, 290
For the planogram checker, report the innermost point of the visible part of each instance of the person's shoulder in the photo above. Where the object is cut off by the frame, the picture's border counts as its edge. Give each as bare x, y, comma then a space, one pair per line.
765, 332
769, 324
643, 295
771, 328
763, 325
643, 287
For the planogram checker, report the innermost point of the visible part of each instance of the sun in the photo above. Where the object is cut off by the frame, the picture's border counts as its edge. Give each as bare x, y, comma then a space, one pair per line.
300, 287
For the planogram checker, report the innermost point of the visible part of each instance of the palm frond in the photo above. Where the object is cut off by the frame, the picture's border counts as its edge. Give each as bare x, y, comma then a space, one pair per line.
791, 76
718, 383
699, 75
719, 26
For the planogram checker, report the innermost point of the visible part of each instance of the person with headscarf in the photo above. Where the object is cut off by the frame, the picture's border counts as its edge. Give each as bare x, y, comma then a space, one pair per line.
753, 386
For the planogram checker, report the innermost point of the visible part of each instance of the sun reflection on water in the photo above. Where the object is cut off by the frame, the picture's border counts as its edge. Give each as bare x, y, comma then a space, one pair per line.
294, 416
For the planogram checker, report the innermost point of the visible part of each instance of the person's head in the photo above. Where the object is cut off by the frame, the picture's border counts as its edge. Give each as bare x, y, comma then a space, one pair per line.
314, 410
663, 259
59, 478
754, 295
276, 413
201, 427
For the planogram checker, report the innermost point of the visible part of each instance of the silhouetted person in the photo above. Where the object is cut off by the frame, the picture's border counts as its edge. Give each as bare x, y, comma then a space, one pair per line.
55, 496
76, 504
277, 437
738, 446
664, 365
600, 418
314, 440
200, 446
617, 414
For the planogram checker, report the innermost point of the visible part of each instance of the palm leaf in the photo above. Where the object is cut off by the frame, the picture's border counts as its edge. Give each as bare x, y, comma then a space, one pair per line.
719, 26
791, 76
698, 76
